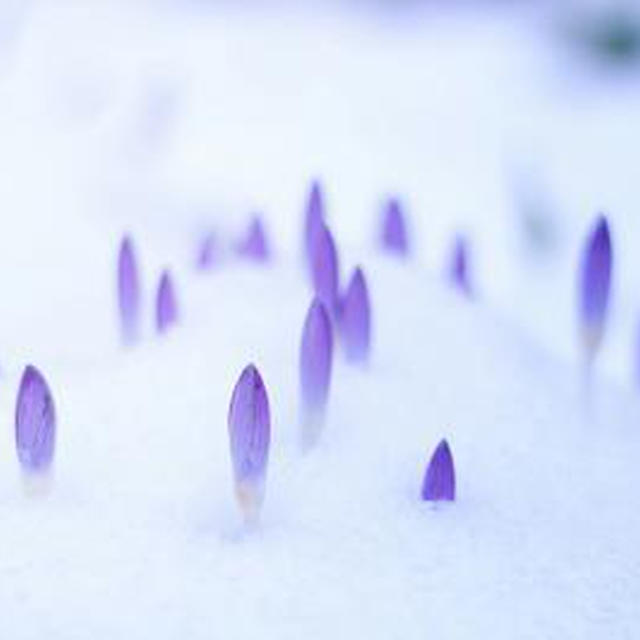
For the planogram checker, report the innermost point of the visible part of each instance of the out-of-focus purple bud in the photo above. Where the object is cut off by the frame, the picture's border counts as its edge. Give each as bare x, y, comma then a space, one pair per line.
207, 252
440, 478
355, 319
316, 358
460, 265
324, 267
314, 218
254, 245
249, 436
166, 306
394, 230
128, 291
595, 285
35, 422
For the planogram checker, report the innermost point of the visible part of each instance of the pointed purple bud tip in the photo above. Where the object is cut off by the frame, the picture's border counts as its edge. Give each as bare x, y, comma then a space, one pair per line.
207, 252
35, 422
394, 230
355, 319
249, 425
324, 268
314, 217
254, 245
440, 478
460, 266
128, 291
595, 285
166, 306
316, 358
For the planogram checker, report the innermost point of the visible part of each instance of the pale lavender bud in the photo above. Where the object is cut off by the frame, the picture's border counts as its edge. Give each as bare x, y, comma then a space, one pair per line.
166, 306
324, 267
394, 230
440, 478
249, 425
595, 285
207, 252
355, 319
314, 217
128, 291
35, 422
254, 245
460, 265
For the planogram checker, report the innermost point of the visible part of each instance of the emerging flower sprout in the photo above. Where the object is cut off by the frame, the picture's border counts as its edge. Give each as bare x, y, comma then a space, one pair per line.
249, 435
254, 245
206, 257
35, 423
324, 269
314, 218
595, 285
440, 478
128, 291
355, 319
316, 356
166, 307
394, 231
460, 266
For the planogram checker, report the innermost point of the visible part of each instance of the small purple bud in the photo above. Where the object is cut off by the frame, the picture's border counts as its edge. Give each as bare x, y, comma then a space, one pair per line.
314, 218
394, 231
324, 267
249, 435
460, 266
254, 245
440, 479
166, 307
595, 285
35, 422
128, 291
355, 319
207, 252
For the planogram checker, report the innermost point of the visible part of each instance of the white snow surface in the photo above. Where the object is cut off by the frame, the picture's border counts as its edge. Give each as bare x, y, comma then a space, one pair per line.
170, 119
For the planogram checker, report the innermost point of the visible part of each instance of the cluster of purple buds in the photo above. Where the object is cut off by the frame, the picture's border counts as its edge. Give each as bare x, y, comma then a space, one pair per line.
440, 477
394, 238
166, 305
254, 245
128, 291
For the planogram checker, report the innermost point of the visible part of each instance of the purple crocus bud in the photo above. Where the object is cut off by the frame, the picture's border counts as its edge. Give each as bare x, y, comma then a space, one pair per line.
128, 291
206, 257
316, 357
166, 307
460, 266
595, 285
394, 231
314, 218
35, 422
440, 478
355, 319
249, 435
324, 269
254, 245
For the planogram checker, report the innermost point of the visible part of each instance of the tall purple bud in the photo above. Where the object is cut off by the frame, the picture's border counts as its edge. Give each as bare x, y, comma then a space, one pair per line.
35, 423
316, 358
394, 230
595, 285
314, 218
166, 306
254, 245
440, 478
128, 291
355, 319
460, 265
324, 269
249, 435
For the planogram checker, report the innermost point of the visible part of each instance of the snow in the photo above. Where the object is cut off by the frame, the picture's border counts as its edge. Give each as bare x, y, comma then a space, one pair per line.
168, 121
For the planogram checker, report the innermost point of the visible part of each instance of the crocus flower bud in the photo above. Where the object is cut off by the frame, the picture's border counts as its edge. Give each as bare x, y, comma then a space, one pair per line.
35, 423
460, 266
440, 478
249, 425
254, 245
166, 307
355, 319
206, 256
324, 269
394, 230
128, 292
316, 356
314, 218
595, 286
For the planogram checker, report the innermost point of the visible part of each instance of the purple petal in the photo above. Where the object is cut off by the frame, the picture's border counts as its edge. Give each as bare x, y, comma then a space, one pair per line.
249, 435
324, 267
128, 291
595, 284
355, 319
207, 252
314, 218
254, 245
394, 231
35, 422
440, 479
460, 265
166, 307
